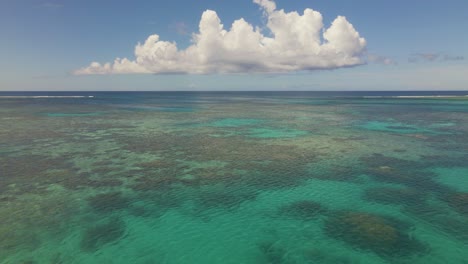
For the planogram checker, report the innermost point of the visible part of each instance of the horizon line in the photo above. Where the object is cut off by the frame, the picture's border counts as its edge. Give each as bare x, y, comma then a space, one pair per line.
83, 91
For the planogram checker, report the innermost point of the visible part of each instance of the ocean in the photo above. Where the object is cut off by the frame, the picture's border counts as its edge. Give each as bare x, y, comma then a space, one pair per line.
234, 177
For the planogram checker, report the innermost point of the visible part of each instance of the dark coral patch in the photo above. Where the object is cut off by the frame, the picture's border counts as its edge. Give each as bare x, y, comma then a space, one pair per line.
445, 160
395, 174
74, 181
156, 203
107, 202
30, 173
378, 160
382, 235
277, 175
273, 253
158, 164
226, 199
439, 218
25, 219
336, 173
415, 179
102, 234
459, 201
409, 173
391, 195
107, 183
153, 182
304, 209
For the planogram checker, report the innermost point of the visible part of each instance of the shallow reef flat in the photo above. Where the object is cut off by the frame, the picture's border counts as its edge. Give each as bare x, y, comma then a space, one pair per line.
244, 178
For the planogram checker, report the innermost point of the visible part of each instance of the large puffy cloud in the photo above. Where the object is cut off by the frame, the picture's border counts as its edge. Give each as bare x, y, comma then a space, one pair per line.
294, 42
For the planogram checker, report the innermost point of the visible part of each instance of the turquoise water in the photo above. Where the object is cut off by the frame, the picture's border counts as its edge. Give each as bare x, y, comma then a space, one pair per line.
233, 178
70, 114
396, 127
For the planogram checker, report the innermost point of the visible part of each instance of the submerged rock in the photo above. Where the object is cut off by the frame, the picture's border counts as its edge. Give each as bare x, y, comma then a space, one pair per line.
382, 235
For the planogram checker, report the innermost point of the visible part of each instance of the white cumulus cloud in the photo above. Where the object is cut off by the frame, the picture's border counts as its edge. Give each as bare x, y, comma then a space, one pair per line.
294, 42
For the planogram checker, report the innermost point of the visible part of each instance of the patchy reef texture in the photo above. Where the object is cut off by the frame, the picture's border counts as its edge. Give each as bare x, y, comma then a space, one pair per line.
233, 178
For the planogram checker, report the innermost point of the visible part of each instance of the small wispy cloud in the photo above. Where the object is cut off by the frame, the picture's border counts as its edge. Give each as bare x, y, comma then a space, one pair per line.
52, 5
433, 57
298, 42
379, 59
453, 58
180, 28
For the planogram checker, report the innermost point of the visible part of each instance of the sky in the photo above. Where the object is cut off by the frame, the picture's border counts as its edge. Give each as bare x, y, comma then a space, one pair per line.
233, 45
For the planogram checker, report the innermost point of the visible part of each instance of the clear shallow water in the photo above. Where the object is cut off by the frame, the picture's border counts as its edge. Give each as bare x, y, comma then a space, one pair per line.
233, 178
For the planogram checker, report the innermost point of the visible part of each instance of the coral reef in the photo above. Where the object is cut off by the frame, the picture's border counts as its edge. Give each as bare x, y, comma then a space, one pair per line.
453, 160
392, 195
382, 235
30, 173
273, 253
277, 174
304, 209
153, 183
107, 202
102, 234
439, 217
226, 199
315, 255
26, 219
409, 173
459, 201
378, 160
336, 173
62, 169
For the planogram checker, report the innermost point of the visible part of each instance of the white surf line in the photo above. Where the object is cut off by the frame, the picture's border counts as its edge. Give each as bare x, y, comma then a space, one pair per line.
429, 96
46, 96
417, 96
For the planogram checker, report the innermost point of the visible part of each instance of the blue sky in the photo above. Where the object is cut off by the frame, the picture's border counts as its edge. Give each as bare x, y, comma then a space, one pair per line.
409, 45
